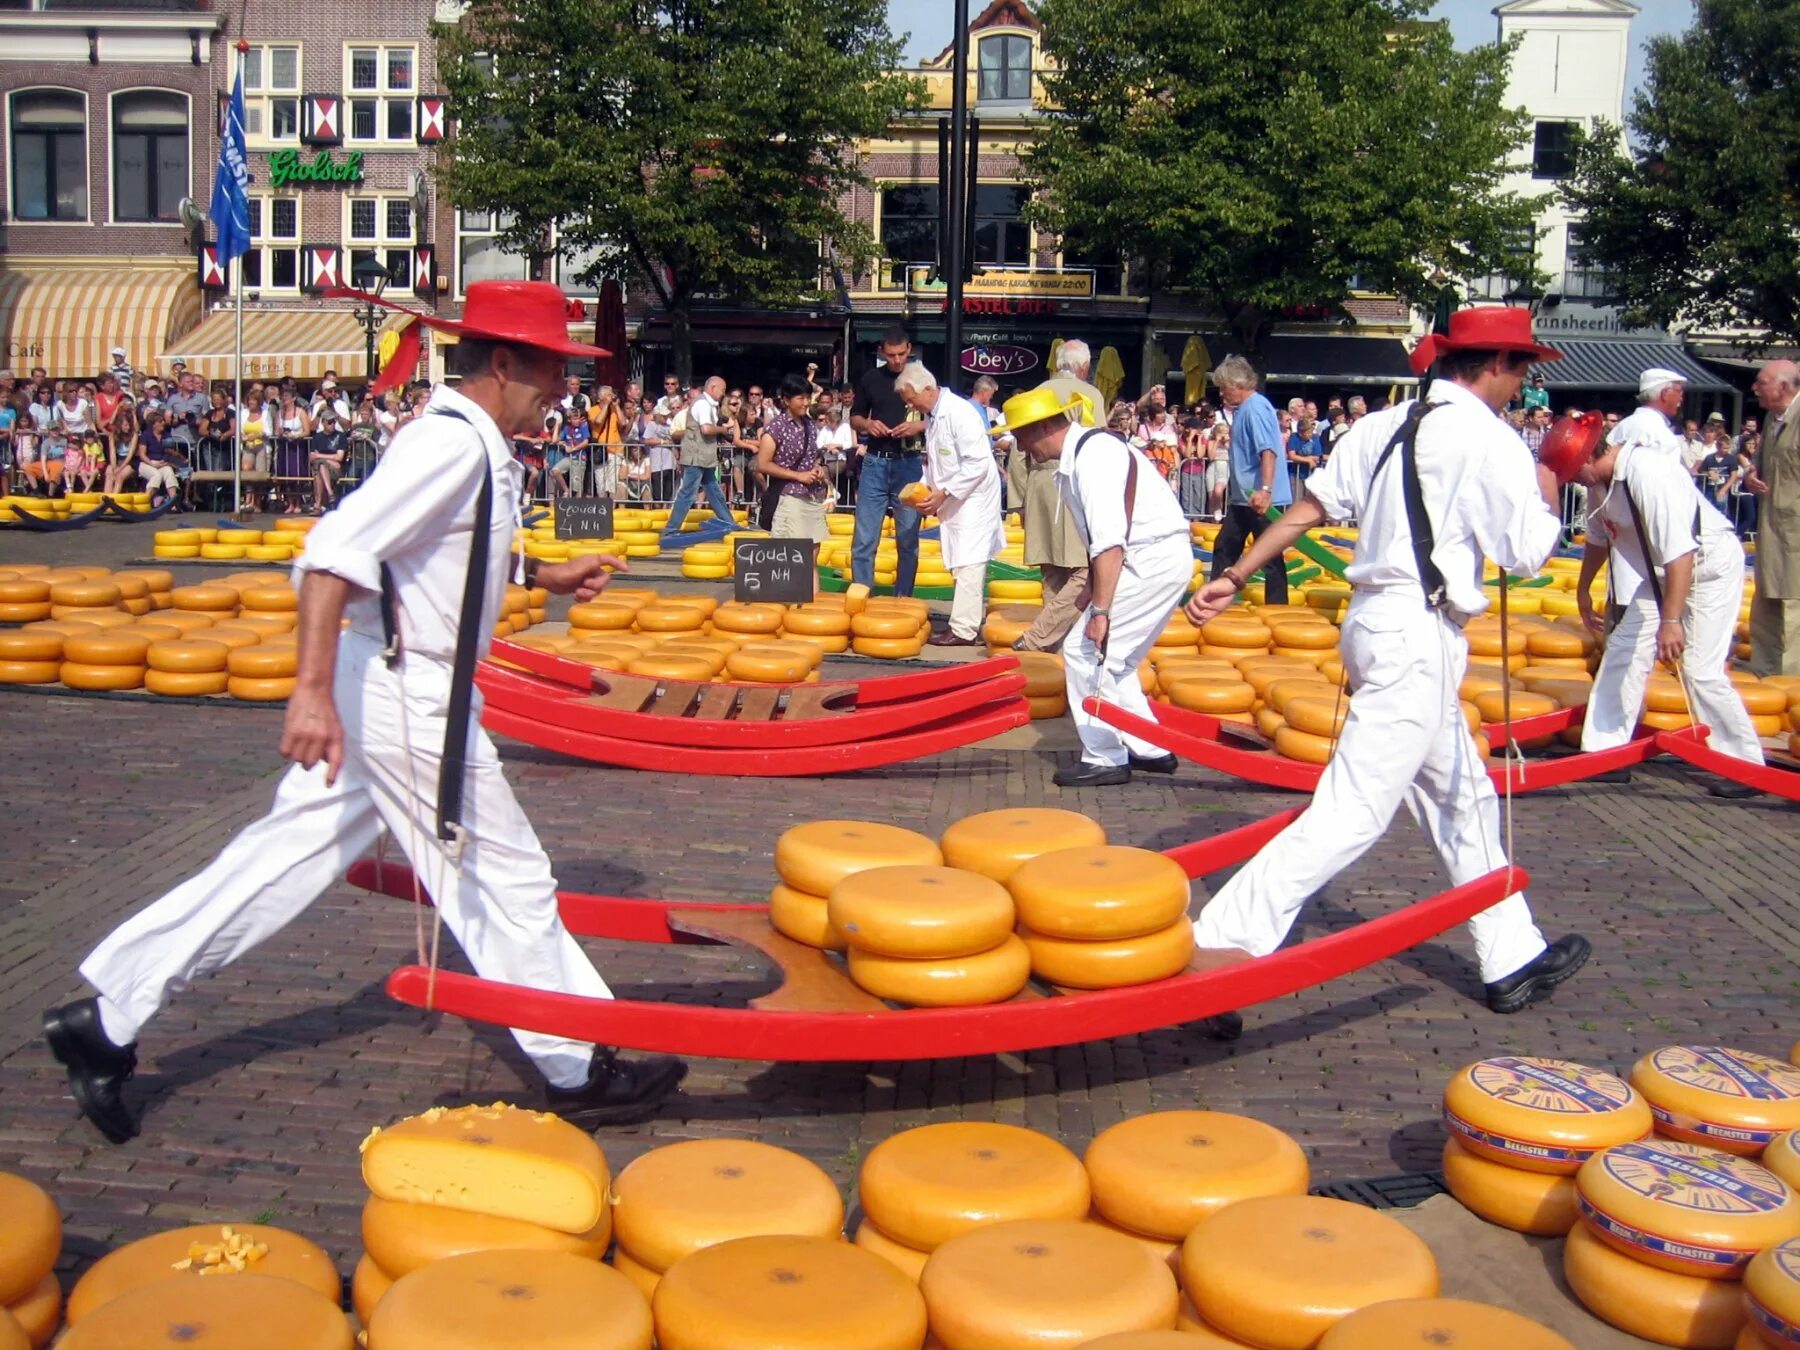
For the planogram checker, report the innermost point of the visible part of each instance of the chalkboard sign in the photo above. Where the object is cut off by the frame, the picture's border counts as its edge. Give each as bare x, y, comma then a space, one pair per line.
584, 518
780, 570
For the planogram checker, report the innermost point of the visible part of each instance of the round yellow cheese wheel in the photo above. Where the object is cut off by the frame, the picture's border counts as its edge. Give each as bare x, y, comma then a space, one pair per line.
26, 645
31, 612
204, 599
1527, 1202
368, 1283
1484, 639
1232, 631
253, 690
816, 621
909, 1261
1112, 964
736, 618
657, 666
1311, 634
683, 1197
77, 675
1279, 1271
1659, 1305
85, 594
231, 636
215, 1314
888, 649
188, 656
1048, 707
644, 1278
606, 615
546, 1300
186, 684
1524, 704
39, 1313
923, 1186
1156, 1340
1686, 1208
799, 1293
1101, 892
400, 1236
816, 856
1161, 1174
997, 843
764, 665
1735, 1100
921, 913
1314, 716
952, 982
263, 663
99, 618
1431, 1323
111, 648
30, 1236
1163, 1249
1541, 1115
197, 1250
30, 672
1564, 642
1772, 1293
1782, 1157
24, 591
1282, 691
712, 656
271, 599
1208, 695
1268, 721
1044, 678
1206, 1337
804, 918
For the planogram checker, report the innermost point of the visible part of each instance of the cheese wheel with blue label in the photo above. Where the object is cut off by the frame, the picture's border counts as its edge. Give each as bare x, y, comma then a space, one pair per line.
1772, 1293
1709, 1094
1681, 1207
1783, 1158
1659, 1305
1541, 1115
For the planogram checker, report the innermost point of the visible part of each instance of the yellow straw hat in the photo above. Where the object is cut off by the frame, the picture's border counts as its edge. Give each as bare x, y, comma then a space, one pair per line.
1035, 405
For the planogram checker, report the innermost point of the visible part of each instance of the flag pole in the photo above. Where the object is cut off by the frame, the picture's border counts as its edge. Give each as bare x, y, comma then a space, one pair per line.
237, 397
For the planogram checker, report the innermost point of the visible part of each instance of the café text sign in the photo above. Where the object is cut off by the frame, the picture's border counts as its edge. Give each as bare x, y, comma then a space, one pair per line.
1009, 281
289, 168
999, 359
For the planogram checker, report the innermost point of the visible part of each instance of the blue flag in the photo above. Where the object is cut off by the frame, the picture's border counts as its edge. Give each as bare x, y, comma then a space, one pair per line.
231, 184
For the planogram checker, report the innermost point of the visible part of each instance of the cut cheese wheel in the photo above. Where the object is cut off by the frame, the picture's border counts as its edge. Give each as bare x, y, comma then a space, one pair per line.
954, 982
1029, 1283
1734, 1100
637, 1272
1526, 1202
921, 913
401, 1237
1431, 1323
1161, 1174
679, 1199
816, 856
1113, 964
997, 843
215, 1315
926, 1185
799, 1293
30, 672
1782, 1157
804, 918
546, 1300
909, 1261
498, 1160
39, 1313
188, 656
204, 1249
368, 1283
186, 684
30, 1236
1279, 1271
1772, 1293
78, 675
856, 598
1541, 1115
1102, 892
1659, 1305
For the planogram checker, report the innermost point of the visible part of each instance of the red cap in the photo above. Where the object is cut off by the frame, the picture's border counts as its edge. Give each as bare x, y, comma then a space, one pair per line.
531, 313
1570, 443
1494, 328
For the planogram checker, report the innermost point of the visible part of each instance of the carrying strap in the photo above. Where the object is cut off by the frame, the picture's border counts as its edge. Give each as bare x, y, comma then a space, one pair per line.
1637, 523
1418, 520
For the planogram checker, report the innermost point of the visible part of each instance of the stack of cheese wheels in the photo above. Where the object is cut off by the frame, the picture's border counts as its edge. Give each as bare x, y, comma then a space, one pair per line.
263, 673
931, 937
501, 1297
1772, 1297
1234, 637
31, 656
1281, 1271
1103, 916
24, 599
30, 1242
1521, 1128
476, 1178
108, 659
998, 843
1735, 1100
220, 1314
752, 620
813, 858
1431, 1323
1667, 1229
71, 597
1046, 684
826, 624
922, 1187
1006, 624
891, 628
675, 1201
188, 667
213, 599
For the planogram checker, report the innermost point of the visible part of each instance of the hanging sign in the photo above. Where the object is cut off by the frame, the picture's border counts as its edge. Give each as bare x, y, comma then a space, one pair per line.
1000, 359
287, 168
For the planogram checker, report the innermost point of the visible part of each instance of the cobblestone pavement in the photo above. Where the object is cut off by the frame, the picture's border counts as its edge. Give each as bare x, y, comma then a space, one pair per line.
260, 1081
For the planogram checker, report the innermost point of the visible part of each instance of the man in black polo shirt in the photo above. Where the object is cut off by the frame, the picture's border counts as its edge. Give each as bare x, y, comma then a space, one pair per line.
892, 461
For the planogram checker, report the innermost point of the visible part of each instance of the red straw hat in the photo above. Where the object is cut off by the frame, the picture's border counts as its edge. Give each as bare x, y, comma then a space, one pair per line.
531, 313
1492, 328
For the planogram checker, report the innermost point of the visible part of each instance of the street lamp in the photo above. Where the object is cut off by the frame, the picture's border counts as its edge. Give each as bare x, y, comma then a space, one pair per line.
371, 278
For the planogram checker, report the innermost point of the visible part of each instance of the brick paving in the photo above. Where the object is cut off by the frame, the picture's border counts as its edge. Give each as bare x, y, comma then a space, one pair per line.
260, 1082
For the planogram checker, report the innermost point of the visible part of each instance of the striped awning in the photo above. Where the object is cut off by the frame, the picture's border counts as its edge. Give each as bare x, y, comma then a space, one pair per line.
1616, 364
278, 343
68, 319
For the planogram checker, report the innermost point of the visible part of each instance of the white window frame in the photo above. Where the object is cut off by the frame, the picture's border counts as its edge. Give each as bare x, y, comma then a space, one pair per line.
112, 154
263, 98
383, 245
381, 95
463, 232
263, 245
87, 157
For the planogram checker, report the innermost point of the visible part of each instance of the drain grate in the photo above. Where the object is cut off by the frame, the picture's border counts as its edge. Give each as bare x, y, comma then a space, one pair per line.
1401, 1192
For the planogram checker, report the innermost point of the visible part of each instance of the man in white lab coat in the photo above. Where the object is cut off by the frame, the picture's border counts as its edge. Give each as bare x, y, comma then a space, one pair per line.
962, 480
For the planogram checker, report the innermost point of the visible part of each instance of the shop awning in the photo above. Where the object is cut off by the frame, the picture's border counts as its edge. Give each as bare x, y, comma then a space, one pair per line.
1326, 358
1617, 363
278, 343
68, 320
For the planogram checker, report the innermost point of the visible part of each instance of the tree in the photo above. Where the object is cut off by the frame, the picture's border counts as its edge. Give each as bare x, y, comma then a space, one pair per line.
1260, 154
1701, 223
704, 145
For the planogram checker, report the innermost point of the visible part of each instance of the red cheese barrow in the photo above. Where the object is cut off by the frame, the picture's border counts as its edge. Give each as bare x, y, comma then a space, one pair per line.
817, 1013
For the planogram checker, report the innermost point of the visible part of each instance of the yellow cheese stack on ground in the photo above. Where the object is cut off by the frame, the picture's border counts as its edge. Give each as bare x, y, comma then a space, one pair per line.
1161, 1174
30, 1236
1431, 1323
1035, 1282
1772, 1293
1729, 1099
814, 857
498, 1160
400, 1237
1281, 1271
685, 1197
218, 1314
545, 1300
924, 1186
1103, 916
1685, 1208
909, 1261
800, 1293
369, 1284
998, 843
991, 976
1659, 1305
934, 936
1541, 1203
204, 1250
1541, 1115
39, 1312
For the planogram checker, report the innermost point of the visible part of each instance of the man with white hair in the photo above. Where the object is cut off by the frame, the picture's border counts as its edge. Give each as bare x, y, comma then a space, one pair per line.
1259, 477
1775, 610
1073, 363
963, 483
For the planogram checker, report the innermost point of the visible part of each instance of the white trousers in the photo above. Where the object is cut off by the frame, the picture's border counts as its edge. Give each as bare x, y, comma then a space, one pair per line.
500, 905
1617, 698
1404, 741
1151, 582
968, 605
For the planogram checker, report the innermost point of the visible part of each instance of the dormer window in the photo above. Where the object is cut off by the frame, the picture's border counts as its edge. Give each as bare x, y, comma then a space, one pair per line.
1005, 70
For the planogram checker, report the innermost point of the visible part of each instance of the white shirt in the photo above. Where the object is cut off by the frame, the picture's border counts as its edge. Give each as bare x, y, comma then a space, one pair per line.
339, 404
703, 412
839, 439
1092, 484
1650, 430
1670, 502
416, 513
1480, 489
959, 461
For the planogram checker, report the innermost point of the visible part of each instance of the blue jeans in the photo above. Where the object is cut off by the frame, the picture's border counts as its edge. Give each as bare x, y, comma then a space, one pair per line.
876, 490
693, 478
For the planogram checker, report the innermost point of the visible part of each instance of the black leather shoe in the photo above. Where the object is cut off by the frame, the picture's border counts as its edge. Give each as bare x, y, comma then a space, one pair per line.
1537, 978
1610, 776
1225, 1026
950, 639
1092, 775
1152, 763
619, 1091
98, 1069
1732, 792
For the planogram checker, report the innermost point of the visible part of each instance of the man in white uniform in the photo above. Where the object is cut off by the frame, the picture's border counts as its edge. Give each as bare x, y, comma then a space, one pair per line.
1417, 582
1139, 563
964, 494
373, 716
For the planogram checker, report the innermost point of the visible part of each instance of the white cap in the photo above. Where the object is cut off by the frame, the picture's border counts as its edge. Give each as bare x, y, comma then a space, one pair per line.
118, 351
1655, 378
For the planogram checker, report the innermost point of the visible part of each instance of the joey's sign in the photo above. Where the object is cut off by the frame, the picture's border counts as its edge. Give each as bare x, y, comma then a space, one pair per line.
999, 359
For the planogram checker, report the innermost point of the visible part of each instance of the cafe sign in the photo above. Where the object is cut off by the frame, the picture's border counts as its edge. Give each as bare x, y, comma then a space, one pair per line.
1009, 282
289, 168
999, 359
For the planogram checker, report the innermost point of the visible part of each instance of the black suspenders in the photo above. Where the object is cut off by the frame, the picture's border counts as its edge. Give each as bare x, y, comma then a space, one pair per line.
1418, 521
1130, 472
